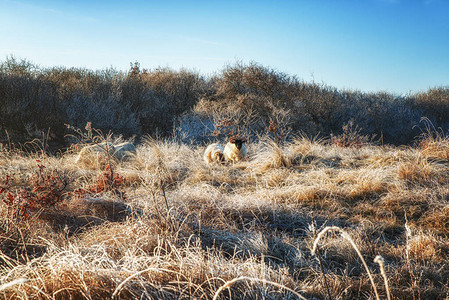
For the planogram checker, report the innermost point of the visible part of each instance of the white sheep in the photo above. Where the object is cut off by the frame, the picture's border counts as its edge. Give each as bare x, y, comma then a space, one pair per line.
92, 154
124, 151
213, 153
235, 150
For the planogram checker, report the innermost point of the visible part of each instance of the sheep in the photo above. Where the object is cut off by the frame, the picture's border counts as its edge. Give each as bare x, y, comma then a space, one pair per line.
92, 154
214, 153
235, 150
124, 151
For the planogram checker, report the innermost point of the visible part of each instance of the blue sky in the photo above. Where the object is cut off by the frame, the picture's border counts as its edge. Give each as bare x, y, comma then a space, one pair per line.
398, 46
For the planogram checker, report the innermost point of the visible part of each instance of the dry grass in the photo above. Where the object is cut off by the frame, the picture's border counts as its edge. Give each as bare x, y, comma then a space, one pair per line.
434, 143
180, 228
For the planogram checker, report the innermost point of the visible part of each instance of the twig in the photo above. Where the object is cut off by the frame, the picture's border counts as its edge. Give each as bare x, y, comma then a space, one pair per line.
407, 254
165, 197
322, 272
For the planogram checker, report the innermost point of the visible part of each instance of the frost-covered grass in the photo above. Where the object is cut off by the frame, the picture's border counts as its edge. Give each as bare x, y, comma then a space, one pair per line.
177, 228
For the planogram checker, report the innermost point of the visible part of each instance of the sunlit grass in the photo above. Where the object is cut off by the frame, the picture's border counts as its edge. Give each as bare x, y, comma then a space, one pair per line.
180, 228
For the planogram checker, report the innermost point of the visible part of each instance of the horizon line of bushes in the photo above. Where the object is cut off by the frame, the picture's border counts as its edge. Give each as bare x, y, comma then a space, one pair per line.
162, 101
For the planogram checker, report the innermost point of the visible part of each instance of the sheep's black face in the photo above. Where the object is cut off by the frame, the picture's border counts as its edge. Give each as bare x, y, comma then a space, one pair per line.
239, 143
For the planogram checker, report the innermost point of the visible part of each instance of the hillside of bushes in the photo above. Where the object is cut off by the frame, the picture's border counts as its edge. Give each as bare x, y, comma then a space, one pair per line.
38, 103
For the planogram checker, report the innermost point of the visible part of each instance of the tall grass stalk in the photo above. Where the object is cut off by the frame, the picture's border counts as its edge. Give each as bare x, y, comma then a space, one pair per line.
407, 254
244, 278
346, 236
380, 260
13, 283
117, 290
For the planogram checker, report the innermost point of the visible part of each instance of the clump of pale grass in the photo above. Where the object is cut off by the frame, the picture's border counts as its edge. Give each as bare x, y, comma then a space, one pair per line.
422, 246
169, 160
437, 219
271, 156
304, 152
362, 182
385, 156
423, 172
435, 148
433, 143
304, 145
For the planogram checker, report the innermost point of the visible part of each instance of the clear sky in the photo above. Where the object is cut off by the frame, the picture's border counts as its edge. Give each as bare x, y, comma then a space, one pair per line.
398, 46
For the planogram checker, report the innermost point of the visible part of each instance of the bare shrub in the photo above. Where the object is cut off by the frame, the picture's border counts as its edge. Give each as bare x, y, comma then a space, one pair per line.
434, 103
157, 101
351, 137
140, 102
46, 188
108, 181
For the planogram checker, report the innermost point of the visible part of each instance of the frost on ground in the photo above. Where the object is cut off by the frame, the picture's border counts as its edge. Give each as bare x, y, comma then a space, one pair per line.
166, 225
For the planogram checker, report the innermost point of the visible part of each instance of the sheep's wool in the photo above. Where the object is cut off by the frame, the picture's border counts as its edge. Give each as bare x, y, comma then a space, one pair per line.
213, 153
232, 153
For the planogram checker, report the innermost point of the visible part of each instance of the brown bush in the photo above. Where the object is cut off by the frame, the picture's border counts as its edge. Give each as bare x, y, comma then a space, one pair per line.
47, 188
142, 101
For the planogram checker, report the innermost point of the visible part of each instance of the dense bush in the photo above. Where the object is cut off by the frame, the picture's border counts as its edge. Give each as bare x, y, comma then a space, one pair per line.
313, 108
434, 103
34, 100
